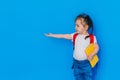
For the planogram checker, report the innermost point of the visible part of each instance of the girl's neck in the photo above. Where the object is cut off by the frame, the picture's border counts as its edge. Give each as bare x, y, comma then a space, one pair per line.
85, 33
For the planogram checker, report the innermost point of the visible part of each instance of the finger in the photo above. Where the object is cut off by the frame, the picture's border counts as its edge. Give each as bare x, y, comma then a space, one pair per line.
46, 34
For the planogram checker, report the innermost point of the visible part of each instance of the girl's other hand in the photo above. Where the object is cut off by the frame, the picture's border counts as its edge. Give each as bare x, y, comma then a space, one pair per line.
90, 57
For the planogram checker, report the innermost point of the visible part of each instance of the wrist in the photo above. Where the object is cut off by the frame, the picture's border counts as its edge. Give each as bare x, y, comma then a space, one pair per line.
93, 54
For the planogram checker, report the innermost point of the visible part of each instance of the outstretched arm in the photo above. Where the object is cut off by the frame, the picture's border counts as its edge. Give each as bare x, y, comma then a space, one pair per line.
65, 36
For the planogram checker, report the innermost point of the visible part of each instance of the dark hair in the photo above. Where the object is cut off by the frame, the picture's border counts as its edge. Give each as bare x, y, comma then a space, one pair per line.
87, 20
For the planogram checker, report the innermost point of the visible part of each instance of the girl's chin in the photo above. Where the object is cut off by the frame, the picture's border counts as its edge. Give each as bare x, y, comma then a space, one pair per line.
77, 32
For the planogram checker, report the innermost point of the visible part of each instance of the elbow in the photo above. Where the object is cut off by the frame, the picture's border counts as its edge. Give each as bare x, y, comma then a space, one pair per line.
96, 48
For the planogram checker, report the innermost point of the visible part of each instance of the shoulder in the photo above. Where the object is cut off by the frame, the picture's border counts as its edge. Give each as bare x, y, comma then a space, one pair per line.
95, 40
93, 37
72, 34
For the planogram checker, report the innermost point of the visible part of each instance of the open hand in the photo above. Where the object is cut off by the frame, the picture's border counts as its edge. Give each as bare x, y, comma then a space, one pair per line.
49, 34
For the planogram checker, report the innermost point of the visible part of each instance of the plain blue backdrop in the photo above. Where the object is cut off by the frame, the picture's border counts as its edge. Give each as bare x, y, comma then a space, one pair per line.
26, 54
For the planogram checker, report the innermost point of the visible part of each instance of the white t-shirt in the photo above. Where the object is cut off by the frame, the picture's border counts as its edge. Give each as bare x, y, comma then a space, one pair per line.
80, 45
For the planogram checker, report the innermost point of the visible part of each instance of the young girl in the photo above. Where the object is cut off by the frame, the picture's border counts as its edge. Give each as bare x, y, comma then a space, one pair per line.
82, 67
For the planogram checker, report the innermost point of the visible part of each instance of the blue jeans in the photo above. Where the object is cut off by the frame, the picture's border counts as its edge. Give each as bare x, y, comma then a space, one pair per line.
82, 70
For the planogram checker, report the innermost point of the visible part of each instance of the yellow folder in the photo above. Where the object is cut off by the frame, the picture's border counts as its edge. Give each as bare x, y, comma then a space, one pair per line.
89, 51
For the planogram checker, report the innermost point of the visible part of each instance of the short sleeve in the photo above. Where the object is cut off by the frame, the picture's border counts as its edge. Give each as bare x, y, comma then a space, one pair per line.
95, 40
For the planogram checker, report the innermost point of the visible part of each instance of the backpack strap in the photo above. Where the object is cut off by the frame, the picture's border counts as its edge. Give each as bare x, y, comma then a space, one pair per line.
74, 38
91, 38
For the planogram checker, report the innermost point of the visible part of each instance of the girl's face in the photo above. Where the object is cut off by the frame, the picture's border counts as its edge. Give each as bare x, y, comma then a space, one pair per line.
79, 26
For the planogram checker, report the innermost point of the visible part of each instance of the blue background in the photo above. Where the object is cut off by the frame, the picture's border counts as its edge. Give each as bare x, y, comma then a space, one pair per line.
26, 54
